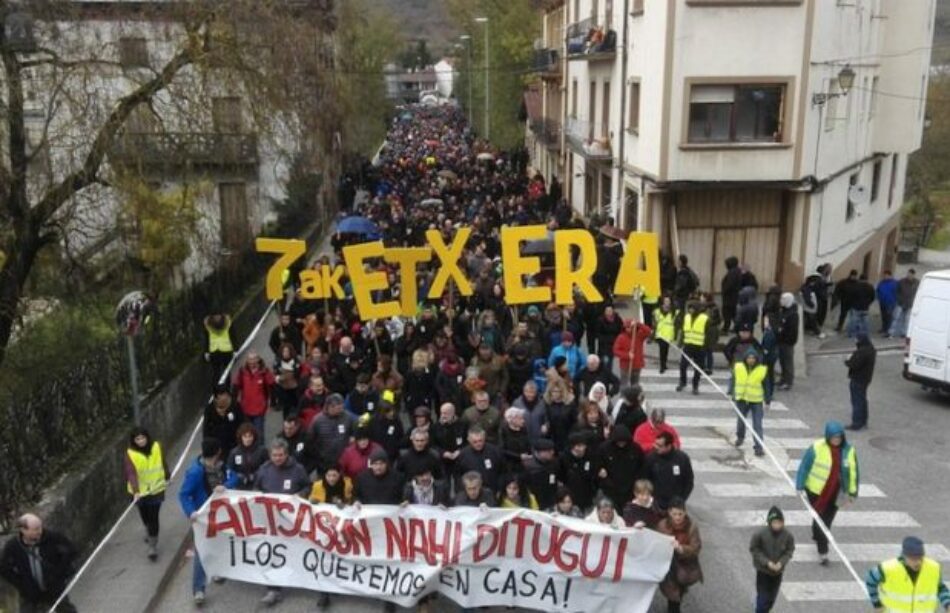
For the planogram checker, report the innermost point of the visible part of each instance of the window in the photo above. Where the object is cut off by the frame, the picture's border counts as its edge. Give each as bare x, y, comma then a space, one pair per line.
574, 99
849, 211
633, 107
608, 14
605, 113
631, 209
876, 180
226, 115
235, 232
133, 53
895, 160
637, 8
873, 106
736, 113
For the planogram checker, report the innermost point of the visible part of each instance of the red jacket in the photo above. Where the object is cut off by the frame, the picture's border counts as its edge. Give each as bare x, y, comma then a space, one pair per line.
623, 342
354, 460
646, 435
254, 389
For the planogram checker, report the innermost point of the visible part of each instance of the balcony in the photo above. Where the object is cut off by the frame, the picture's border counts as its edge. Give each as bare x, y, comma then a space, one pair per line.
547, 132
589, 139
175, 149
546, 63
592, 40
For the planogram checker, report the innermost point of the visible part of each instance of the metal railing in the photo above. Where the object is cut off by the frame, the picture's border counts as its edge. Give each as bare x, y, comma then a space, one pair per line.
546, 131
591, 139
546, 61
197, 148
591, 38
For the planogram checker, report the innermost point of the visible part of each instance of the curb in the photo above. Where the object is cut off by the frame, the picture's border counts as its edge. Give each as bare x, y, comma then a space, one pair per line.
177, 561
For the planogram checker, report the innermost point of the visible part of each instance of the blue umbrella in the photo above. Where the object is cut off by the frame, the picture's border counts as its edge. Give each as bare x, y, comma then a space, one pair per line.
357, 225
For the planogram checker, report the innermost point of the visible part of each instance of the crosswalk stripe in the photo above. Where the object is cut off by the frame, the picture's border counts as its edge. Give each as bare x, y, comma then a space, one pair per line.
689, 404
666, 388
712, 466
691, 443
773, 489
690, 421
867, 552
844, 519
674, 373
811, 591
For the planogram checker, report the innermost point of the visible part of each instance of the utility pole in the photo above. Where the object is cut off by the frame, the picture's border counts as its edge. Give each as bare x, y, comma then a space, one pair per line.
484, 21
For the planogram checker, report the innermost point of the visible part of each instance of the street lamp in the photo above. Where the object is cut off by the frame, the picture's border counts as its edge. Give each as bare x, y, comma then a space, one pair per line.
468, 44
845, 83
484, 20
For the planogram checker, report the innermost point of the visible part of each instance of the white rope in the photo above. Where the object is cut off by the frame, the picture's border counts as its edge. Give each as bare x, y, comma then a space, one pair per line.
781, 469
178, 464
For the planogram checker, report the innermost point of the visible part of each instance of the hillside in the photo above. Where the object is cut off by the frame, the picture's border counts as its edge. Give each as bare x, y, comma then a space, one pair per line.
427, 19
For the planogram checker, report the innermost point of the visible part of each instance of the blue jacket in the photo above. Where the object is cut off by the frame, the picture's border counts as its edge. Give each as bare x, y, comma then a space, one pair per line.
831, 429
887, 293
193, 495
576, 360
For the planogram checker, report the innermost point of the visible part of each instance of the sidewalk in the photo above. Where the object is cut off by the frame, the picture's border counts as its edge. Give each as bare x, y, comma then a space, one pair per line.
121, 577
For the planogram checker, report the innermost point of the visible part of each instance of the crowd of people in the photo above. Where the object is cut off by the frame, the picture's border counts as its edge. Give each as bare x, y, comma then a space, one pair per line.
476, 403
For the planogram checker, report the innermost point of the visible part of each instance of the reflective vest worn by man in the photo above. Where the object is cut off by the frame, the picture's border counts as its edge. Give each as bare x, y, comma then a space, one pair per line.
910, 583
749, 383
694, 329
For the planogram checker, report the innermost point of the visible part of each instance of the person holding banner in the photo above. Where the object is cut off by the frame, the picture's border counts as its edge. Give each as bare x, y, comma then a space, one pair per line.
605, 514
685, 569
205, 476
381, 484
628, 348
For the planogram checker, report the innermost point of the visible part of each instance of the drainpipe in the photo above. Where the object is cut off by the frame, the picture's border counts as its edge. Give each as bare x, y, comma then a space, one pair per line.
623, 113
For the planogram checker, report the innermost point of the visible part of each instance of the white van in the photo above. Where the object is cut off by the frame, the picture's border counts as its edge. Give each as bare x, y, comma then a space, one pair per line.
927, 353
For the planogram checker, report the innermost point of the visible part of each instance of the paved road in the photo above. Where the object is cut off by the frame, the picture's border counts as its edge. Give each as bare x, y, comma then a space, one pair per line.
904, 468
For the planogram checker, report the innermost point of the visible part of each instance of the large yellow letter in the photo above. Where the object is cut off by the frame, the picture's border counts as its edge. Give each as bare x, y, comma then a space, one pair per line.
564, 278
449, 259
407, 258
311, 285
331, 281
290, 251
364, 283
642, 247
515, 266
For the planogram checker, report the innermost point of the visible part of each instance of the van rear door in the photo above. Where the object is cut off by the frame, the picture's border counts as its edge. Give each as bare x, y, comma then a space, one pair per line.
930, 330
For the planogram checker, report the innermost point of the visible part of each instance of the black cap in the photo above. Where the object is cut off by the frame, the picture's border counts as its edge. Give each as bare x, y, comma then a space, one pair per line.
576, 438
745, 327
210, 447
361, 432
221, 388
544, 444
378, 456
773, 514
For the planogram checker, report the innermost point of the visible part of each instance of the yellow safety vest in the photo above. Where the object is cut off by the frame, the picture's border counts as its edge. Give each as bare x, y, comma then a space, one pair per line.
150, 470
665, 325
899, 594
821, 469
648, 299
748, 384
694, 331
220, 340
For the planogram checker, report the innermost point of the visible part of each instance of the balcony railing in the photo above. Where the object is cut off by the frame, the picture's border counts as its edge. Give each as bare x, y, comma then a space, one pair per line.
591, 39
546, 62
590, 139
185, 148
547, 132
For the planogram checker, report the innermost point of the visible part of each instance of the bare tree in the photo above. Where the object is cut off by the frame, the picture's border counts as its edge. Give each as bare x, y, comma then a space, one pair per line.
67, 100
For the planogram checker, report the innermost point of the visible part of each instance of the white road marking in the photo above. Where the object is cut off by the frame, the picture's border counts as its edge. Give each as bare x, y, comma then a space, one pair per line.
689, 404
772, 489
691, 443
683, 421
674, 373
712, 466
868, 552
811, 591
844, 519
667, 388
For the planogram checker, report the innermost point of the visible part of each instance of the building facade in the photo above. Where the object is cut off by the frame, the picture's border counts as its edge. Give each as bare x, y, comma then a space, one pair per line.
776, 131
201, 129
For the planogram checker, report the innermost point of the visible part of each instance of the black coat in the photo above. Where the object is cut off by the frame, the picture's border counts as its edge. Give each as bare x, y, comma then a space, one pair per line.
514, 444
863, 296
440, 495
586, 379
861, 363
579, 476
489, 463
542, 480
671, 474
412, 462
731, 283
223, 427
58, 556
787, 332
624, 466
419, 389
370, 489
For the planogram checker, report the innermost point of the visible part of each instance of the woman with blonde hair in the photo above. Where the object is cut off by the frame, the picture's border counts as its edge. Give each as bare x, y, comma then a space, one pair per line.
419, 386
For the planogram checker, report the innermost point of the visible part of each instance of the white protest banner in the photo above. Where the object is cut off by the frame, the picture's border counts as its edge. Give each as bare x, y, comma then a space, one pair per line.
475, 557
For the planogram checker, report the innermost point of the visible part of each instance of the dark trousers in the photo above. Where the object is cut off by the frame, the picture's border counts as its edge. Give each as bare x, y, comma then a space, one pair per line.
859, 402
786, 360
148, 511
887, 316
842, 315
828, 516
699, 357
219, 360
648, 314
728, 316
766, 591
811, 323
822, 313
664, 353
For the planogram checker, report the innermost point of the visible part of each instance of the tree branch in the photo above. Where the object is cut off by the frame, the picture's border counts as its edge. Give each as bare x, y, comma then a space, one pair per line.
102, 144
